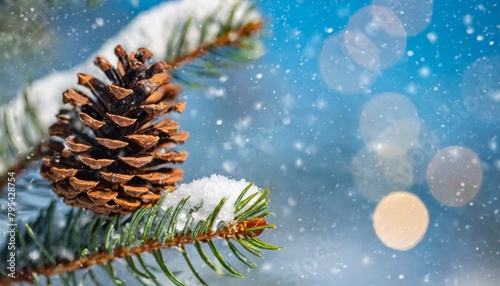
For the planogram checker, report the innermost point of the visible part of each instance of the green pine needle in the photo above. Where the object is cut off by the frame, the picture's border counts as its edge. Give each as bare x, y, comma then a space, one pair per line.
147, 269
240, 255
190, 265
39, 244
213, 215
161, 262
206, 260
222, 261
240, 197
135, 270
173, 221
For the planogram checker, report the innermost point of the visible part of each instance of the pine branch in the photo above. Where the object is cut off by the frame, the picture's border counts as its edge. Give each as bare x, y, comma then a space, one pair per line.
238, 231
235, 41
100, 241
232, 38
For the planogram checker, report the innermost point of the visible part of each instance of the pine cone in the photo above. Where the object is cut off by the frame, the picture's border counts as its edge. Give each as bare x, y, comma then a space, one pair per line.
111, 152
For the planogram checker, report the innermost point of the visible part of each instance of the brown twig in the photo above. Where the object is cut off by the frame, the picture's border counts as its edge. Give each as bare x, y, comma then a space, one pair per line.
230, 38
27, 274
20, 165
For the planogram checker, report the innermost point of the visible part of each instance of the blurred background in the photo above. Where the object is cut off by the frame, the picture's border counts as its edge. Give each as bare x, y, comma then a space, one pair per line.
364, 118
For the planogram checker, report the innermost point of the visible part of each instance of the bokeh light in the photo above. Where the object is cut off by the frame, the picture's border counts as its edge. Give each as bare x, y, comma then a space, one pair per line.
390, 124
454, 175
481, 88
338, 69
415, 15
400, 220
375, 38
376, 176
362, 50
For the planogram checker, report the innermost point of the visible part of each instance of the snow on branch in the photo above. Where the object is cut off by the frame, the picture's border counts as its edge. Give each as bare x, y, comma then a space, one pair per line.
204, 196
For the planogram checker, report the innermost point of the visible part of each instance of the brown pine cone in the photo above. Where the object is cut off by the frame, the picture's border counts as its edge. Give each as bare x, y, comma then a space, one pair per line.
111, 150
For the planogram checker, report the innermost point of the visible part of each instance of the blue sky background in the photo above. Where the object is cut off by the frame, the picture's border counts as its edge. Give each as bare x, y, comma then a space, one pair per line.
278, 123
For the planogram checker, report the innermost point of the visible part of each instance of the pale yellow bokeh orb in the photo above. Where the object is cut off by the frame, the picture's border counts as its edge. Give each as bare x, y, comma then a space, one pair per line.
454, 176
400, 220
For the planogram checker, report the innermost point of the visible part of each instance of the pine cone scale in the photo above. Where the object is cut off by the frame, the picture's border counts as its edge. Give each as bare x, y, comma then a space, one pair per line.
61, 173
159, 178
171, 156
95, 164
136, 162
150, 197
121, 121
91, 122
143, 140
102, 197
75, 98
134, 191
82, 185
116, 177
111, 144
76, 147
120, 92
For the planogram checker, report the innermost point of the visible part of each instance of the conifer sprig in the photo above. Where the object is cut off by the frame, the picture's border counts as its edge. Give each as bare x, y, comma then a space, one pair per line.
232, 31
86, 240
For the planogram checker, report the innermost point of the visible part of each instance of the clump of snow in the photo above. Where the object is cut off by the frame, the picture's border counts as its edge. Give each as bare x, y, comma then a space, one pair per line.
204, 195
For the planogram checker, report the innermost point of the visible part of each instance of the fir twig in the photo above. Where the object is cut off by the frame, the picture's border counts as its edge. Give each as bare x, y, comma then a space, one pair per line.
228, 39
99, 258
148, 230
234, 41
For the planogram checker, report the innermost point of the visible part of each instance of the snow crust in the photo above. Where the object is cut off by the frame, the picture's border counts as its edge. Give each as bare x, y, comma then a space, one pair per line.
205, 194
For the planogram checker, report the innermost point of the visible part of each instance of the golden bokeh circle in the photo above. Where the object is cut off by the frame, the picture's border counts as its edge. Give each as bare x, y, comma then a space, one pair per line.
400, 220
